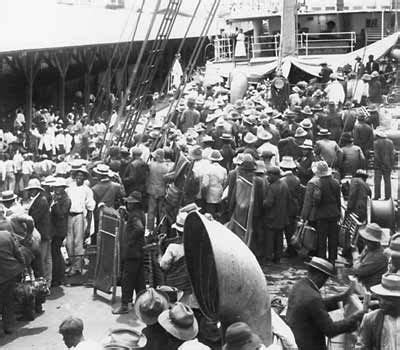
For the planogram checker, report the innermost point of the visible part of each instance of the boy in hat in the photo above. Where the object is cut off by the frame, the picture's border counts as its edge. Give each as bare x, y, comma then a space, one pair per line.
372, 263
132, 252
380, 328
307, 313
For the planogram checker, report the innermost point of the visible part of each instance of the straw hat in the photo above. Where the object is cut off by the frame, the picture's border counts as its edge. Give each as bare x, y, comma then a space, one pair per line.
250, 138
263, 134
371, 232
380, 133
307, 144
300, 132
180, 322
196, 153
306, 110
306, 124
34, 184
7, 196
215, 156
366, 77
149, 304
322, 265
287, 162
248, 162
322, 169
389, 287
102, 169
125, 338
324, 132
60, 182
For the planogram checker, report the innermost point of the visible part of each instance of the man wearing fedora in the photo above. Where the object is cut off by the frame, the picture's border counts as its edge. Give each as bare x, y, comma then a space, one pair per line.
304, 162
239, 336
290, 146
59, 212
132, 252
372, 263
380, 328
384, 161
39, 211
307, 313
327, 149
136, 173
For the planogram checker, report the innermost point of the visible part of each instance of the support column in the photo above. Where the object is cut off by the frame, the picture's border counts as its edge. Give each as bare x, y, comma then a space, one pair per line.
86, 57
62, 61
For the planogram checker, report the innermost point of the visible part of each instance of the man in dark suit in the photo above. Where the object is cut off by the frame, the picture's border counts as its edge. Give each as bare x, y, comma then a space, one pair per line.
40, 212
371, 65
384, 158
307, 313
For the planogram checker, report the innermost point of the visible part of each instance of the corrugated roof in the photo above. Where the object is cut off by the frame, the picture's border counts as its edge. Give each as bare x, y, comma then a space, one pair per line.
43, 24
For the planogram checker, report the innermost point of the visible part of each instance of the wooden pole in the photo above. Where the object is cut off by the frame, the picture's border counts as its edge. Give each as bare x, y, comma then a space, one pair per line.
61, 61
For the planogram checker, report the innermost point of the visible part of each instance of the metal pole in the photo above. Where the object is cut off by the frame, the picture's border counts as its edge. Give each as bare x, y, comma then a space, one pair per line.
396, 20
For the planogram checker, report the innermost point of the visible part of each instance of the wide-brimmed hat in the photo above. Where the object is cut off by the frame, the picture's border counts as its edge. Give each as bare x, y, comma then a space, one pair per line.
238, 159
374, 74
250, 138
307, 144
159, 153
239, 336
180, 221
371, 232
306, 123
260, 167
206, 139
324, 132
102, 169
372, 108
7, 196
211, 117
60, 182
317, 108
263, 134
300, 132
149, 304
287, 162
248, 162
380, 133
306, 110
174, 294
321, 169
215, 156
134, 197
196, 153
34, 184
180, 322
199, 127
389, 287
125, 338
322, 265
394, 246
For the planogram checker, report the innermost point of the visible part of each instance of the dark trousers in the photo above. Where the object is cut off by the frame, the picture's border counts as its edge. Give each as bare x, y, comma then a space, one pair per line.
377, 183
327, 230
273, 243
7, 306
58, 260
132, 279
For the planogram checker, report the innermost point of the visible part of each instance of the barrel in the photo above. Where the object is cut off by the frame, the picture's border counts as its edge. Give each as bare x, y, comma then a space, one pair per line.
226, 278
239, 84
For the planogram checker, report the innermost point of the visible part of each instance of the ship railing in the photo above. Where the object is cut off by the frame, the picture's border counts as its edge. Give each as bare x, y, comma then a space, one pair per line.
311, 43
224, 49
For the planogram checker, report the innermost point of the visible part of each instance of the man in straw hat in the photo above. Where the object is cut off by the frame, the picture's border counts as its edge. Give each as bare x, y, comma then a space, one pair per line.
59, 213
39, 211
79, 219
290, 146
326, 148
304, 162
384, 161
265, 138
372, 263
180, 323
380, 328
322, 207
307, 313
149, 304
132, 252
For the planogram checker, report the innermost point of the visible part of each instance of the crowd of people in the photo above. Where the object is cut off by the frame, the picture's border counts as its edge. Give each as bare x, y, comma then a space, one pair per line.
281, 157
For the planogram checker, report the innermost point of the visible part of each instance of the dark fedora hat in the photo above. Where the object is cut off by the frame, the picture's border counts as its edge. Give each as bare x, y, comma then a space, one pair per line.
7, 196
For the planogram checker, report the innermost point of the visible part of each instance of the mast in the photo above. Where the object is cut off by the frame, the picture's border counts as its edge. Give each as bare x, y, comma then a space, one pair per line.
288, 30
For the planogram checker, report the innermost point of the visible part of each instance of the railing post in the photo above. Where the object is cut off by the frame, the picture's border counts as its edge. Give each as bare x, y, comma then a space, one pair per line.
306, 35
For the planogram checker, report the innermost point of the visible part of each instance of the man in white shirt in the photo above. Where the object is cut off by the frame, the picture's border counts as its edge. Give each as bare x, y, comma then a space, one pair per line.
334, 91
80, 218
